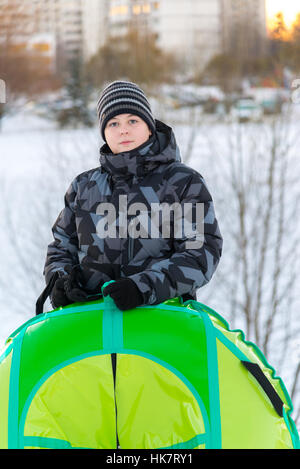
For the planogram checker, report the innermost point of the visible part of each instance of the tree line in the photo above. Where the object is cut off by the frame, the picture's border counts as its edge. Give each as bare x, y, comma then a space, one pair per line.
137, 56
265, 68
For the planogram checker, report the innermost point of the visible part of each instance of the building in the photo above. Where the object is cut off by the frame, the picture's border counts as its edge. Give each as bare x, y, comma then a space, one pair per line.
21, 31
43, 46
94, 26
17, 21
244, 28
195, 30
70, 32
79, 26
191, 29
63, 19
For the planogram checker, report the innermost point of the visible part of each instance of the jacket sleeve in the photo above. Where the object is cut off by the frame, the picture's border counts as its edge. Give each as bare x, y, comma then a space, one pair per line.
63, 251
196, 253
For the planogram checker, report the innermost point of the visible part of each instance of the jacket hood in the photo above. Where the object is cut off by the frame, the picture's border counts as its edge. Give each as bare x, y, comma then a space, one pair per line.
161, 148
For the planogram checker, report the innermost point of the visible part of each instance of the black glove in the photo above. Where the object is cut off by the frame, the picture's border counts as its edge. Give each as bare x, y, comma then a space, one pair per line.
125, 294
76, 281
58, 294
74, 286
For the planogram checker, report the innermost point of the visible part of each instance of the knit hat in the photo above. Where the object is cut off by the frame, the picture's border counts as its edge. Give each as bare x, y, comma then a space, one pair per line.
123, 97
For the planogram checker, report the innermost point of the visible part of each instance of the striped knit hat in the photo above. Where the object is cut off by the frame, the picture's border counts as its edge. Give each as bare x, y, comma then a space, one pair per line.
123, 97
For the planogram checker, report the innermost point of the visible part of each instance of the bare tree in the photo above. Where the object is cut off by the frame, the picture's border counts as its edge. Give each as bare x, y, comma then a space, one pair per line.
24, 69
30, 209
252, 172
255, 173
135, 56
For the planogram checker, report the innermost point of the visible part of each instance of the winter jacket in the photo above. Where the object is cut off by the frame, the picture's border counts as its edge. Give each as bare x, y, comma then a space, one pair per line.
123, 196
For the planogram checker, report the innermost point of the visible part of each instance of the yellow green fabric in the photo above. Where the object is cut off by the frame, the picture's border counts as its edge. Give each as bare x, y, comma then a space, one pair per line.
67, 333
175, 335
235, 341
179, 382
155, 408
76, 405
4, 399
245, 407
250, 352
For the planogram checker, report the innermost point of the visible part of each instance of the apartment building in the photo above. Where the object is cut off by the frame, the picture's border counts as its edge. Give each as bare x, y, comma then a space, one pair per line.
53, 25
190, 28
20, 30
62, 19
17, 21
94, 26
79, 26
195, 30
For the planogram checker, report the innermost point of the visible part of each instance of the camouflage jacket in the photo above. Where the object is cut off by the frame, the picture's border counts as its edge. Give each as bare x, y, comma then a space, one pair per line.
121, 214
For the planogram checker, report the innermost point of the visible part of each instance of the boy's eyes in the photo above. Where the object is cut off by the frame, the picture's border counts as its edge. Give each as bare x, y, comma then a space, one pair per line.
115, 124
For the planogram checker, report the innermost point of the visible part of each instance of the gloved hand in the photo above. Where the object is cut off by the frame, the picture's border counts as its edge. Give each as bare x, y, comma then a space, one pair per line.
125, 294
74, 285
58, 294
76, 281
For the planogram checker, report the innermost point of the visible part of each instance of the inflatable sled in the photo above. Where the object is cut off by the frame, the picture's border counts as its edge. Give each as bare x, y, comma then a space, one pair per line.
169, 376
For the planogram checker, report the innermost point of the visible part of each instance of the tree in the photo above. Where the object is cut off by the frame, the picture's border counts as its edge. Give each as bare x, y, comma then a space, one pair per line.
296, 29
255, 175
2, 111
281, 45
135, 56
223, 70
29, 214
247, 57
295, 35
279, 31
78, 90
24, 68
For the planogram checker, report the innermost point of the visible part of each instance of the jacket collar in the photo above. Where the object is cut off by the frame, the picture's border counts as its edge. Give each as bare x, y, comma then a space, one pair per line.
161, 148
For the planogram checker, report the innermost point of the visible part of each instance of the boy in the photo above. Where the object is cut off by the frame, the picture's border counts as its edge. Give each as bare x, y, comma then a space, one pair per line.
103, 233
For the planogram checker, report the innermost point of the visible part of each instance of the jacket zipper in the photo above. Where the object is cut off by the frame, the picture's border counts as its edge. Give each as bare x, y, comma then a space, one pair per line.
130, 248
114, 369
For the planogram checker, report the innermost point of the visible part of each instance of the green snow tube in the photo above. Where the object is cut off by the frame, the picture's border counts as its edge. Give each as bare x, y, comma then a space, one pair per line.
170, 376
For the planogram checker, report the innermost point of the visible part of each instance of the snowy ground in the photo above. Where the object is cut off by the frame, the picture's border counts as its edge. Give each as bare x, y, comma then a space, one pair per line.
37, 159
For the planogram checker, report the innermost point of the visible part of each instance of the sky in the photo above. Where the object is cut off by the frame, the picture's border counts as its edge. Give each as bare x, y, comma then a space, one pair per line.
289, 8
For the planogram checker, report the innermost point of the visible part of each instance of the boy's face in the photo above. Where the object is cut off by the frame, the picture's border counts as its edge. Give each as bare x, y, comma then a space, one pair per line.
125, 132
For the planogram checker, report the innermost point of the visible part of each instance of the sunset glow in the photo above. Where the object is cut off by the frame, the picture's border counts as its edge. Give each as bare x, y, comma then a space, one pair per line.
289, 8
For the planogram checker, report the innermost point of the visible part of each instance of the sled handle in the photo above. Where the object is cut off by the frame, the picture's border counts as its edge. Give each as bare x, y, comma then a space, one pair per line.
39, 306
260, 377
